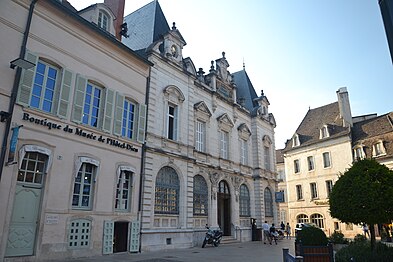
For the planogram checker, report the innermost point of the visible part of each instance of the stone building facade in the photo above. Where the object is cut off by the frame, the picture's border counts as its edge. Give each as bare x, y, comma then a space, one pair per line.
209, 155
70, 184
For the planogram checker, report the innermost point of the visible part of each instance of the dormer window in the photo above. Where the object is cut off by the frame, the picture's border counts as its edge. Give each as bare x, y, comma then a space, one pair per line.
358, 153
103, 21
295, 140
324, 132
378, 149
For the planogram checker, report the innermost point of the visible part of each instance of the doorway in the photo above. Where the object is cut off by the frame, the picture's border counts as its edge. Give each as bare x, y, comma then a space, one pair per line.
120, 237
224, 208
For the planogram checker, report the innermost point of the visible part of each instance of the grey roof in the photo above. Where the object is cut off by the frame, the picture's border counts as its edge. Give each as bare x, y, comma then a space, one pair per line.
245, 89
145, 26
279, 156
309, 129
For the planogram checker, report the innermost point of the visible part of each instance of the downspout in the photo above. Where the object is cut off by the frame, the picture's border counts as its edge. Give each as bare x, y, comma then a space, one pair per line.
15, 87
141, 181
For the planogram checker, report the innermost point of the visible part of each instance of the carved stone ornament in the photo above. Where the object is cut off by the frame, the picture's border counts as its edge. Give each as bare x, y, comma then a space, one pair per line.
214, 178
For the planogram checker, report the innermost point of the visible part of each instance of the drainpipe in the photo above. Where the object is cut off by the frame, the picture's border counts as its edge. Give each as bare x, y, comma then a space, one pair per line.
143, 161
14, 91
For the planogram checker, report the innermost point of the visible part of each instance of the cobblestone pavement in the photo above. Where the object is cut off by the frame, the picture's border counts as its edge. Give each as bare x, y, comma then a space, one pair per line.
243, 252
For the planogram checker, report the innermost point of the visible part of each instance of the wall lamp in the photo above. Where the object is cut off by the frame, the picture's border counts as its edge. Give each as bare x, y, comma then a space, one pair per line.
22, 63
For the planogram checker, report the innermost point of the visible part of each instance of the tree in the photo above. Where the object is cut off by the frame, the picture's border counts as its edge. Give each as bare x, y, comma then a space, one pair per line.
364, 194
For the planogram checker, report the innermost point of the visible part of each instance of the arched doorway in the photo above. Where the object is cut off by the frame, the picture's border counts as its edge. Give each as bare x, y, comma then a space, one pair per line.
224, 208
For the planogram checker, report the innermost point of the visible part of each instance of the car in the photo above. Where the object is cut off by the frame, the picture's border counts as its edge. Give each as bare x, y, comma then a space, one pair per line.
299, 226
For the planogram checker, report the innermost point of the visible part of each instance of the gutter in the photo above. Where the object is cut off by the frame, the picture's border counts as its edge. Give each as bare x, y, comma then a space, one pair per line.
15, 87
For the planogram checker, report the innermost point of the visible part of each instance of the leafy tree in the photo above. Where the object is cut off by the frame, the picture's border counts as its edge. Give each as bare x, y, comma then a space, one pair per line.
312, 236
364, 194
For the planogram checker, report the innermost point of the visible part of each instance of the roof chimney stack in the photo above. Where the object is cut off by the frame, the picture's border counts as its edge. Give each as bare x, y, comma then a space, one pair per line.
344, 106
117, 7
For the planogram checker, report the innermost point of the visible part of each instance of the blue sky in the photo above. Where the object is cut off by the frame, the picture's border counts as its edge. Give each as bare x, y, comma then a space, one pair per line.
299, 52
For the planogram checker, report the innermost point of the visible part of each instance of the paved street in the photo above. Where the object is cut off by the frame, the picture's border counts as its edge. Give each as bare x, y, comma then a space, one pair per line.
245, 252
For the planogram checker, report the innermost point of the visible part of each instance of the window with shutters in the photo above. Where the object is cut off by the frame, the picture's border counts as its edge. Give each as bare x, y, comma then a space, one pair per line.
92, 105
45, 87
128, 119
79, 233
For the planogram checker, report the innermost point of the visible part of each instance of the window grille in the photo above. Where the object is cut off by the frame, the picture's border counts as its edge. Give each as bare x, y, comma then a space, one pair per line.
167, 192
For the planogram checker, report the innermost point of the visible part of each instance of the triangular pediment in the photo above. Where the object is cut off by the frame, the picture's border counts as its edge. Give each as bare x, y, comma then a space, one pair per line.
202, 107
225, 120
244, 128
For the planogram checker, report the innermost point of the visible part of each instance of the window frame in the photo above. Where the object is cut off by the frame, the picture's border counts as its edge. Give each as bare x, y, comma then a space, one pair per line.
167, 192
310, 163
313, 190
224, 144
120, 189
318, 220
329, 187
82, 184
200, 136
243, 152
379, 149
302, 218
244, 201
172, 122
299, 192
200, 196
296, 166
102, 15
268, 202
327, 161
128, 125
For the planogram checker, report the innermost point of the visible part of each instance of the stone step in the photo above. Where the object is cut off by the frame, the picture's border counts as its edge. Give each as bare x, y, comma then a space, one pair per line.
229, 240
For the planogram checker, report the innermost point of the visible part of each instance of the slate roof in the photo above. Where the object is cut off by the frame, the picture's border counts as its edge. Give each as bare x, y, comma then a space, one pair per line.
245, 89
279, 156
145, 26
315, 119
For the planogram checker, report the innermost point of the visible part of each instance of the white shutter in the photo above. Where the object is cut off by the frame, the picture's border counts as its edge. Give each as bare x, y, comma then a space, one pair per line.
141, 123
27, 80
64, 94
107, 241
79, 99
134, 236
118, 114
108, 110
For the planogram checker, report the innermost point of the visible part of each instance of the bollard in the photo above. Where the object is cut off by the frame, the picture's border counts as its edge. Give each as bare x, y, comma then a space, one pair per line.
285, 252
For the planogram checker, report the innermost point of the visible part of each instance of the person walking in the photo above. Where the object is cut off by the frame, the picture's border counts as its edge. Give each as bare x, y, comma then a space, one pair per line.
288, 231
365, 230
266, 234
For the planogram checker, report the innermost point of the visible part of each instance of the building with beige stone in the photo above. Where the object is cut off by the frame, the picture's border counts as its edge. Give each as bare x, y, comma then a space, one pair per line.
70, 177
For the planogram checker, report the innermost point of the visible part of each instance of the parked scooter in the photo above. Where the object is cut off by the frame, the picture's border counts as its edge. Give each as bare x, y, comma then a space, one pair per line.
213, 236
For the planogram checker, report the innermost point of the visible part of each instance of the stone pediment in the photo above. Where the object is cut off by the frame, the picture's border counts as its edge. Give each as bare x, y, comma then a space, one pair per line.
225, 122
201, 107
244, 131
174, 93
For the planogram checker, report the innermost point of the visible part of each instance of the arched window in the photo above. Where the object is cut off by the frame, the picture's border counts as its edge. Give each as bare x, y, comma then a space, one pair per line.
302, 218
244, 201
223, 187
200, 197
268, 202
317, 219
167, 192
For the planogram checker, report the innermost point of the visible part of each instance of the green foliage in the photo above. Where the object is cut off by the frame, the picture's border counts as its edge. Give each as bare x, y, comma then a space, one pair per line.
312, 236
363, 194
359, 238
360, 251
337, 238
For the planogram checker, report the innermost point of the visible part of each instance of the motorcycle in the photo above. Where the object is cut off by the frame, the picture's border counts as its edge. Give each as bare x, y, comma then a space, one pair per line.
213, 236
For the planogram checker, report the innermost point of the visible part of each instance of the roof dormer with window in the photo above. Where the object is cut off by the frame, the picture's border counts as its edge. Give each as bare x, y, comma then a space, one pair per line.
378, 149
101, 15
295, 140
358, 152
324, 132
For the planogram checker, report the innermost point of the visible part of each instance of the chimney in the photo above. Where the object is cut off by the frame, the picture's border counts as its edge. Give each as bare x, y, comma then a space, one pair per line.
344, 106
117, 7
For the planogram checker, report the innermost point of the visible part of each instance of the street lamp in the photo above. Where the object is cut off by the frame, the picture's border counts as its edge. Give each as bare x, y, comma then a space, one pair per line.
22, 63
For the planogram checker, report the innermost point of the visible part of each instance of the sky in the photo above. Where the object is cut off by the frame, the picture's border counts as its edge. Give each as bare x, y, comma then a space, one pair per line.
299, 52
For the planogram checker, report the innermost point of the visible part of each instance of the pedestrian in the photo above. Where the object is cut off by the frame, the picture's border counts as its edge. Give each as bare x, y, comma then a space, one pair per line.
273, 234
266, 234
282, 226
288, 231
365, 230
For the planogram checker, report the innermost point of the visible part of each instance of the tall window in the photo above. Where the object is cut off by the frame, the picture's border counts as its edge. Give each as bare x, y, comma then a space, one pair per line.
302, 218
295, 140
310, 162
378, 149
358, 153
317, 219
299, 192
43, 92
103, 21
123, 191
324, 132
91, 109
296, 165
314, 191
267, 157
200, 132
172, 122
128, 119
32, 168
326, 159
329, 187
244, 201
224, 144
200, 196
244, 152
167, 192
268, 201
83, 187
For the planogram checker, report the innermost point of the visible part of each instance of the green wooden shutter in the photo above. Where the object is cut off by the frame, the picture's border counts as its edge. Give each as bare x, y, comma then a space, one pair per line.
134, 236
107, 241
64, 94
108, 110
118, 114
79, 99
27, 81
141, 123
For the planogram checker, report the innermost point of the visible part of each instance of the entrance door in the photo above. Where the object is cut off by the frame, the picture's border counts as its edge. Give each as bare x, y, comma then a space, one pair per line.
25, 213
224, 208
120, 237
